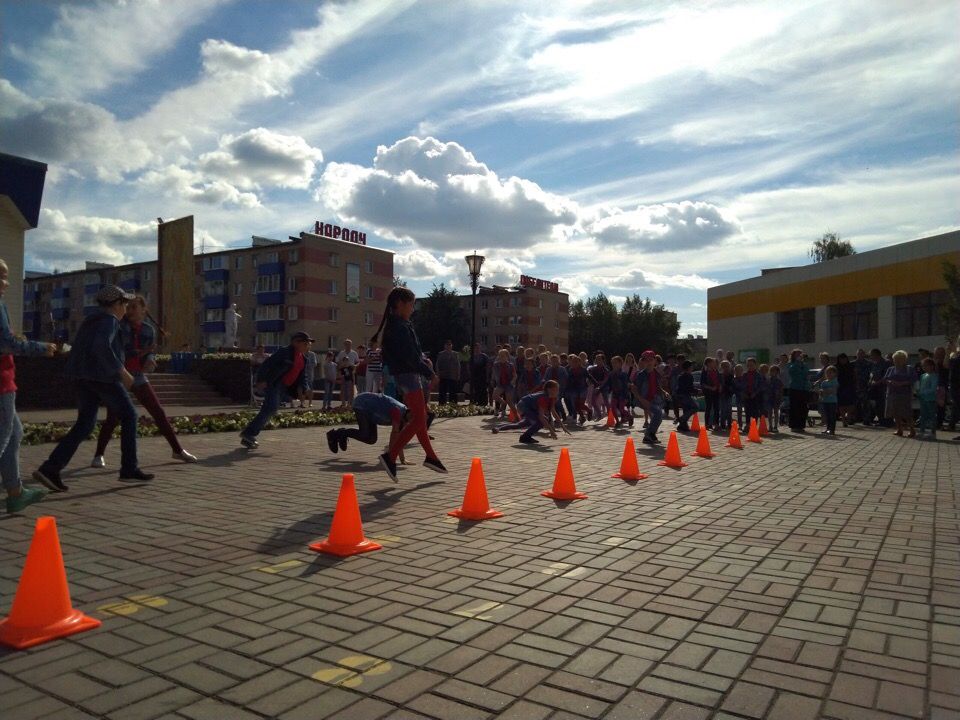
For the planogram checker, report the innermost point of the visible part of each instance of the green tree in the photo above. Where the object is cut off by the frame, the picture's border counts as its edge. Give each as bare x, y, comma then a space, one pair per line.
439, 318
597, 324
645, 325
397, 282
830, 246
951, 310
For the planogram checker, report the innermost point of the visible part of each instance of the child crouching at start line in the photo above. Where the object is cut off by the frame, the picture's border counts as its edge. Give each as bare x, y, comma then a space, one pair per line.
537, 410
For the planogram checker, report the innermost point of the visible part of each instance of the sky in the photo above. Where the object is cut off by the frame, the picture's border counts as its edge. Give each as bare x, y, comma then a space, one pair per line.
653, 147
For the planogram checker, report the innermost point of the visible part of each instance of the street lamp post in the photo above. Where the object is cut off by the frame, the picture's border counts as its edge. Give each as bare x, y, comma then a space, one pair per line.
474, 263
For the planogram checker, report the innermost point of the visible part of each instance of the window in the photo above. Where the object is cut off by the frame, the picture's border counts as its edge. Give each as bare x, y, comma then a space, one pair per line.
513, 339
213, 315
333, 314
292, 284
272, 257
213, 263
270, 339
253, 260
213, 341
238, 289
268, 283
499, 302
333, 341
796, 327
294, 256
540, 303
293, 312
540, 322
918, 315
515, 320
556, 324
334, 260
367, 318
238, 262
498, 321
368, 292
90, 300
853, 321
333, 287
514, 302
368, 266
483, 321
212, 288
268, 312
484, 304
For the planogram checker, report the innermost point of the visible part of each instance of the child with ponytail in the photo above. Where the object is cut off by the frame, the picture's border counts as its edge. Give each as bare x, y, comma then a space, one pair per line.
403, 359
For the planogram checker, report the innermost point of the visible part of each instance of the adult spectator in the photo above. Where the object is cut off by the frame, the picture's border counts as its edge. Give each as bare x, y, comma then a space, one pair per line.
374, 368
878, 388
448, 369
479, 370
797, 383
347, 361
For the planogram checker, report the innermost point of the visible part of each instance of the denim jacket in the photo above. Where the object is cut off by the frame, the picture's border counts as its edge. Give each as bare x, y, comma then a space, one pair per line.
10, 344
97, 352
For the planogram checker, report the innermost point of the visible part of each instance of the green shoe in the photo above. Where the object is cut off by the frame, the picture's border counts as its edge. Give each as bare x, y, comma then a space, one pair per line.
27, 496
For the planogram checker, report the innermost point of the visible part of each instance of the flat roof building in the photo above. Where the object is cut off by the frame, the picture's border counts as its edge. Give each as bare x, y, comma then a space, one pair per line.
331, 288
889, 298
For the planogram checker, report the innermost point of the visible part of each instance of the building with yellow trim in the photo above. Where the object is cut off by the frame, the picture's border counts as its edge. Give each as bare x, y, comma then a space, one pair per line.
888, 298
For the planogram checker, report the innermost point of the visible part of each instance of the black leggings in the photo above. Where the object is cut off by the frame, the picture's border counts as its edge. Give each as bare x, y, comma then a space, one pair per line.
366, 433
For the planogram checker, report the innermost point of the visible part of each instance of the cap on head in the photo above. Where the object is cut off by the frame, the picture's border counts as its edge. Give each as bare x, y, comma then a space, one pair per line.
300, 336
109, 294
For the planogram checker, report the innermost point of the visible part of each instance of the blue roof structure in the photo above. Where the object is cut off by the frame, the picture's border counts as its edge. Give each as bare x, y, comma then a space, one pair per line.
22, 181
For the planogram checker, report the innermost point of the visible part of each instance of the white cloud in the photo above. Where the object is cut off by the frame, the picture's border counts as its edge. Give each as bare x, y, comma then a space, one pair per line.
640, 279
420, 265
65, 243
93, 46
667, 227
178, 182
456, 203
263, 157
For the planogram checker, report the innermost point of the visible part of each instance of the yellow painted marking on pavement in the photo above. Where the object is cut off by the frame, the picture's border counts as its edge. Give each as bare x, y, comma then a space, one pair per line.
478, 611
280, 567
556, 568
361, 666
132, 604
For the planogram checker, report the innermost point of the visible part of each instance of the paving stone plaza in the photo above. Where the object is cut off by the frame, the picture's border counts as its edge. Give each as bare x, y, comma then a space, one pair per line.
806, 577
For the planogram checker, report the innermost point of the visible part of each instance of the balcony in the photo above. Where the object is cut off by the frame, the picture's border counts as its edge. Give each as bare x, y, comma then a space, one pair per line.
219, 274
130, 284
269, 298
264, 326
216, 302
89, 310
215, 326
60, 313
274, 268
61, 292
91, 288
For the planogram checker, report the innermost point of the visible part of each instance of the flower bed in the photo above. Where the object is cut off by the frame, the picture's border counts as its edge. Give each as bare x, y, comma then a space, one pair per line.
39, 433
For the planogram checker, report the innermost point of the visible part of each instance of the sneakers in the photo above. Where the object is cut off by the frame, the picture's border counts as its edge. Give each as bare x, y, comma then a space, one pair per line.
137, 474
27, 496
332, 441
185, 456
529, 440
494, 430
98, 462
51, 479
342, 439
649, 440
389, 466
248, 442
435, 465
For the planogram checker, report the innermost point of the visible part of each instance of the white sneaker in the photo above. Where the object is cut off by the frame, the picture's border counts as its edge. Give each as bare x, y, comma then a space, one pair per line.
98, 462
185, 456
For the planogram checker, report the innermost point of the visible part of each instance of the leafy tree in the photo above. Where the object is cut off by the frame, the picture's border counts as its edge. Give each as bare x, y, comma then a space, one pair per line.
597, 324
645, 325
951, 311
397, 282
439, 318
830, 246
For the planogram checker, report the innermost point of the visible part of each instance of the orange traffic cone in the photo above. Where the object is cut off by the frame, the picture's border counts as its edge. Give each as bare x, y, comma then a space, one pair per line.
611, 420
629, 470
703, 445
695, 423
734, 441
763, 426
42, 610
475, 506
513, 417
673, 453
753, 434
564, 488
346, 531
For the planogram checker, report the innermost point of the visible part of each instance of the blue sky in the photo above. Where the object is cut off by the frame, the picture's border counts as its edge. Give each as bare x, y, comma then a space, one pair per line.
655, 147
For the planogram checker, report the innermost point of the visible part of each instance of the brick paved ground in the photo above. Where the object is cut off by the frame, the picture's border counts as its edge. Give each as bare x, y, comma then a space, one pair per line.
805, 578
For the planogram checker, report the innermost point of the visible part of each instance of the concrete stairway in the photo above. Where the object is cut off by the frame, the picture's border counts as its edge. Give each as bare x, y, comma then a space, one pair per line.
185, 390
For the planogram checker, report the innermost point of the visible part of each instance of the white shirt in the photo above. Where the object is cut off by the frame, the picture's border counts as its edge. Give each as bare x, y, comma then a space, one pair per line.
350, 355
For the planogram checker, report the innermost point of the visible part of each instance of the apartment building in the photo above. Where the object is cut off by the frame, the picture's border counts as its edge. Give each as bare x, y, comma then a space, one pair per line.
331, 288
533, 312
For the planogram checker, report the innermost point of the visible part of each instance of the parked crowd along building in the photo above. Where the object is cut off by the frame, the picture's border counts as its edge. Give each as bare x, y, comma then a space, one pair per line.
889, 298
331, 288
534, 312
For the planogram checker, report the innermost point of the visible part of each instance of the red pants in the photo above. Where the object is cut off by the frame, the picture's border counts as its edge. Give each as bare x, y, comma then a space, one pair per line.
144, 393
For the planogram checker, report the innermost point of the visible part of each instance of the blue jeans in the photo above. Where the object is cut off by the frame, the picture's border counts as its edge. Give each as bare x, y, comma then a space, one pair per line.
90, 396
689, 407
726, 410
327, 393
11, 433
928, 419
268, 408
654, 417
533, 421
